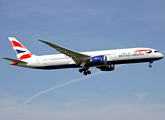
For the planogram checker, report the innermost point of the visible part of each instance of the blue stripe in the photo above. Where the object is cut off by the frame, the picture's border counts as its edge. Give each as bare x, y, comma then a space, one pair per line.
149, 52
58, 66
20, 51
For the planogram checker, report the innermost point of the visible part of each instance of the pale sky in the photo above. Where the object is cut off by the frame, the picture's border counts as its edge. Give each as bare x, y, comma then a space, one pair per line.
130, 92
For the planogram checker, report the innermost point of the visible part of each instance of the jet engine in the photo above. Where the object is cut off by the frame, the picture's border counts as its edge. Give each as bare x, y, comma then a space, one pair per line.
99, 60
107, 68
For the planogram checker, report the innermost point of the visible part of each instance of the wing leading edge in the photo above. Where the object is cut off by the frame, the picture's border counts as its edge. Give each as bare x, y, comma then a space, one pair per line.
77, 57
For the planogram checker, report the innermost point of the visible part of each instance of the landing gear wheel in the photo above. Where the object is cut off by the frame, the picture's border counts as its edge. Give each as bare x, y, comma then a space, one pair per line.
85, 70
80, 70
89, 72
85, 73
150, 66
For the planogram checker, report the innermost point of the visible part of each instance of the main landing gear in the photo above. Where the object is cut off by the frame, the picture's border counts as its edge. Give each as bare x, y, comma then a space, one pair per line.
85, 71
150, 66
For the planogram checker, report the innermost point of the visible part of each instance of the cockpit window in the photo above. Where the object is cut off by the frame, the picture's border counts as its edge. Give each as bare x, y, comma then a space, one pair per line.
156, 51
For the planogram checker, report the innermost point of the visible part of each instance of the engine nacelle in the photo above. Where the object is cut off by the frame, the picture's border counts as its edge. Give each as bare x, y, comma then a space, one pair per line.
107, 68
99, 60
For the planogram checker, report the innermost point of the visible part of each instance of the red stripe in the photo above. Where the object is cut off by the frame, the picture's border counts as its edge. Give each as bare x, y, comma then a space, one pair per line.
25, 56
16, 44
142, 50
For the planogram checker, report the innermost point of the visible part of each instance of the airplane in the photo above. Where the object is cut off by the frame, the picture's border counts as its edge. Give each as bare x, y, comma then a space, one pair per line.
104, 60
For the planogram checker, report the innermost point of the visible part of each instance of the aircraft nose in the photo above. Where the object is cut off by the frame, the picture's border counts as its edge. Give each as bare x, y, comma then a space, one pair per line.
161, 55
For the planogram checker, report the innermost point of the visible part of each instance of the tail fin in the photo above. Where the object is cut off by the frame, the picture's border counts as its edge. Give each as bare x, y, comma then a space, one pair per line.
20, 50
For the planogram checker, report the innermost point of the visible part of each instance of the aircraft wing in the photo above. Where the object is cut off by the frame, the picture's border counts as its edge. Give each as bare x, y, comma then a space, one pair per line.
13, 60
77, 57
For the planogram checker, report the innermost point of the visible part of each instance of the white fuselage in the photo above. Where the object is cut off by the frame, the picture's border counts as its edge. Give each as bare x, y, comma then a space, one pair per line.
119, 56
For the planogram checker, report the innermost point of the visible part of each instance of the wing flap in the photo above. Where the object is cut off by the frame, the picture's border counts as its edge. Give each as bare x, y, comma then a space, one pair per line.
77, 57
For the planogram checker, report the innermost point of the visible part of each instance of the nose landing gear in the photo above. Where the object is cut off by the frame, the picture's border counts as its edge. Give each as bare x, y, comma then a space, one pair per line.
150, 66
85, 71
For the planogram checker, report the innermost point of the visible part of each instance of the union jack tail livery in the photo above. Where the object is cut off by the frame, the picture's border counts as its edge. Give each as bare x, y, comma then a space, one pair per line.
21, 52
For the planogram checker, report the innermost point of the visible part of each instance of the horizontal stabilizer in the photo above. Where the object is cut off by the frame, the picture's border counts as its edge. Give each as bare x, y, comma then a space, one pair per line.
13, 60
